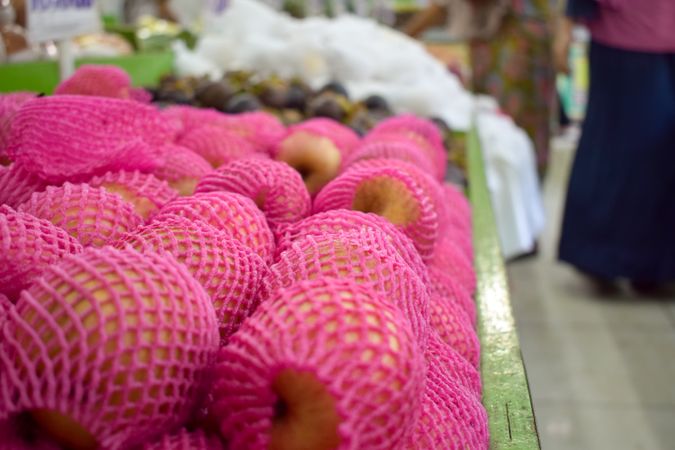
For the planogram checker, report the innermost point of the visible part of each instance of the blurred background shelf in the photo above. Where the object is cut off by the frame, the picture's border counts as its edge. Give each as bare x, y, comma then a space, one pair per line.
506, 394
145, 69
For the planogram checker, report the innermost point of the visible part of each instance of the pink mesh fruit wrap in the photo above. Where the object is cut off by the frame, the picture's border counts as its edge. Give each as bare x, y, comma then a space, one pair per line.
452, 417
451, 259
260, 128
17, 185
447, 286
230, 272
182, 168
274, 186
446, 359
28, 245
389, 192
186, 440
363, 258
98, 80
454, 327
187, 118
424, 132
393, 147
72, 137
215, 144
343, 220
146, 192
5, 306
430, 186
460, 209
9, 105
93, 216
232, 213
343, 137
114, 340
344, 337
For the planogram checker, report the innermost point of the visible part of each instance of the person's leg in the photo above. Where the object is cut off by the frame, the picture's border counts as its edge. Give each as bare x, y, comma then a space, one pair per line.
618, 218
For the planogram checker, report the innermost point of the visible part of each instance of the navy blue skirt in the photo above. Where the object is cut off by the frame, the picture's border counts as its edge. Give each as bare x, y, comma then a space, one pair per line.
619, 217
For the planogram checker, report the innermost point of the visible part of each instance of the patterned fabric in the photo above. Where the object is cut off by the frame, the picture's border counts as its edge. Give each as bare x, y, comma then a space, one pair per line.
515, 67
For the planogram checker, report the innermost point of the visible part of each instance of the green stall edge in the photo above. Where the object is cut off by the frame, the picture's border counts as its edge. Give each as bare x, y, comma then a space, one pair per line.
145, 69
506, 394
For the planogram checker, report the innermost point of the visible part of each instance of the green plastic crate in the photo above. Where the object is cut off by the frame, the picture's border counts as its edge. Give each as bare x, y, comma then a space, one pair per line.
145, 69
506, 394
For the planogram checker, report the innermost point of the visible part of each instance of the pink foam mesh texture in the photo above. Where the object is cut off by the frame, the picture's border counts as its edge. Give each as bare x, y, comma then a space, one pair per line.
450, 258
344, 138
182, 168
230, 272
361, 256
341, 194
215, 144
146, 192
344, 220
232, 213
28, 245
93, 216
430, 186
260, 128
446, 359
9, 105
68, 137
186, 440
116, 340
17, 185
424, 131
460, 207
452, 417
393, 147
187, 118
99, 80
339, 332
5, 306
454, 327
447, 286
276, 187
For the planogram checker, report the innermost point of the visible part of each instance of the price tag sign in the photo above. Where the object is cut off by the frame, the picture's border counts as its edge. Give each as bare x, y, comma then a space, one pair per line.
61, 19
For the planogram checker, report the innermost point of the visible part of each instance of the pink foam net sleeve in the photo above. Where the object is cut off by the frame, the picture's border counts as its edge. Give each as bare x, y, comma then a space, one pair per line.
232, 213
363, 259
215, 144
459, 206
452, 418
98, 80
447, 286
28, 245
186, 440
343, 335
145, 191
274, 186
260, 128
371, 189
452, 324
72, 137
422, 130
447, 359
186, 118
92, 215
9, 105
17, 185
115, 340
344, 138
344, 220
182, 169
392, 147
230, 272
451, 258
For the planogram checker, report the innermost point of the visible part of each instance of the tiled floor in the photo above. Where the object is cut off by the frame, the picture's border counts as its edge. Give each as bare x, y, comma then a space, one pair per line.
601, 370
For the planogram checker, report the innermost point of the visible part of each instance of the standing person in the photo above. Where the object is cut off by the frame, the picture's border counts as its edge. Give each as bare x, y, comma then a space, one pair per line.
511, 56
619, 218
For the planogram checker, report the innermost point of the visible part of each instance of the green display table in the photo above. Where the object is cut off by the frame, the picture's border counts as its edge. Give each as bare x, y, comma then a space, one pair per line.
145, 69
506, 395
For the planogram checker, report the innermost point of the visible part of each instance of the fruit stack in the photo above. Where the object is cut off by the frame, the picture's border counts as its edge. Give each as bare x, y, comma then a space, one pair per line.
188, 279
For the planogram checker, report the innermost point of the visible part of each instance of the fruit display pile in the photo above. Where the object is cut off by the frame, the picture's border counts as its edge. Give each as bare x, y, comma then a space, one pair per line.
183, 278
